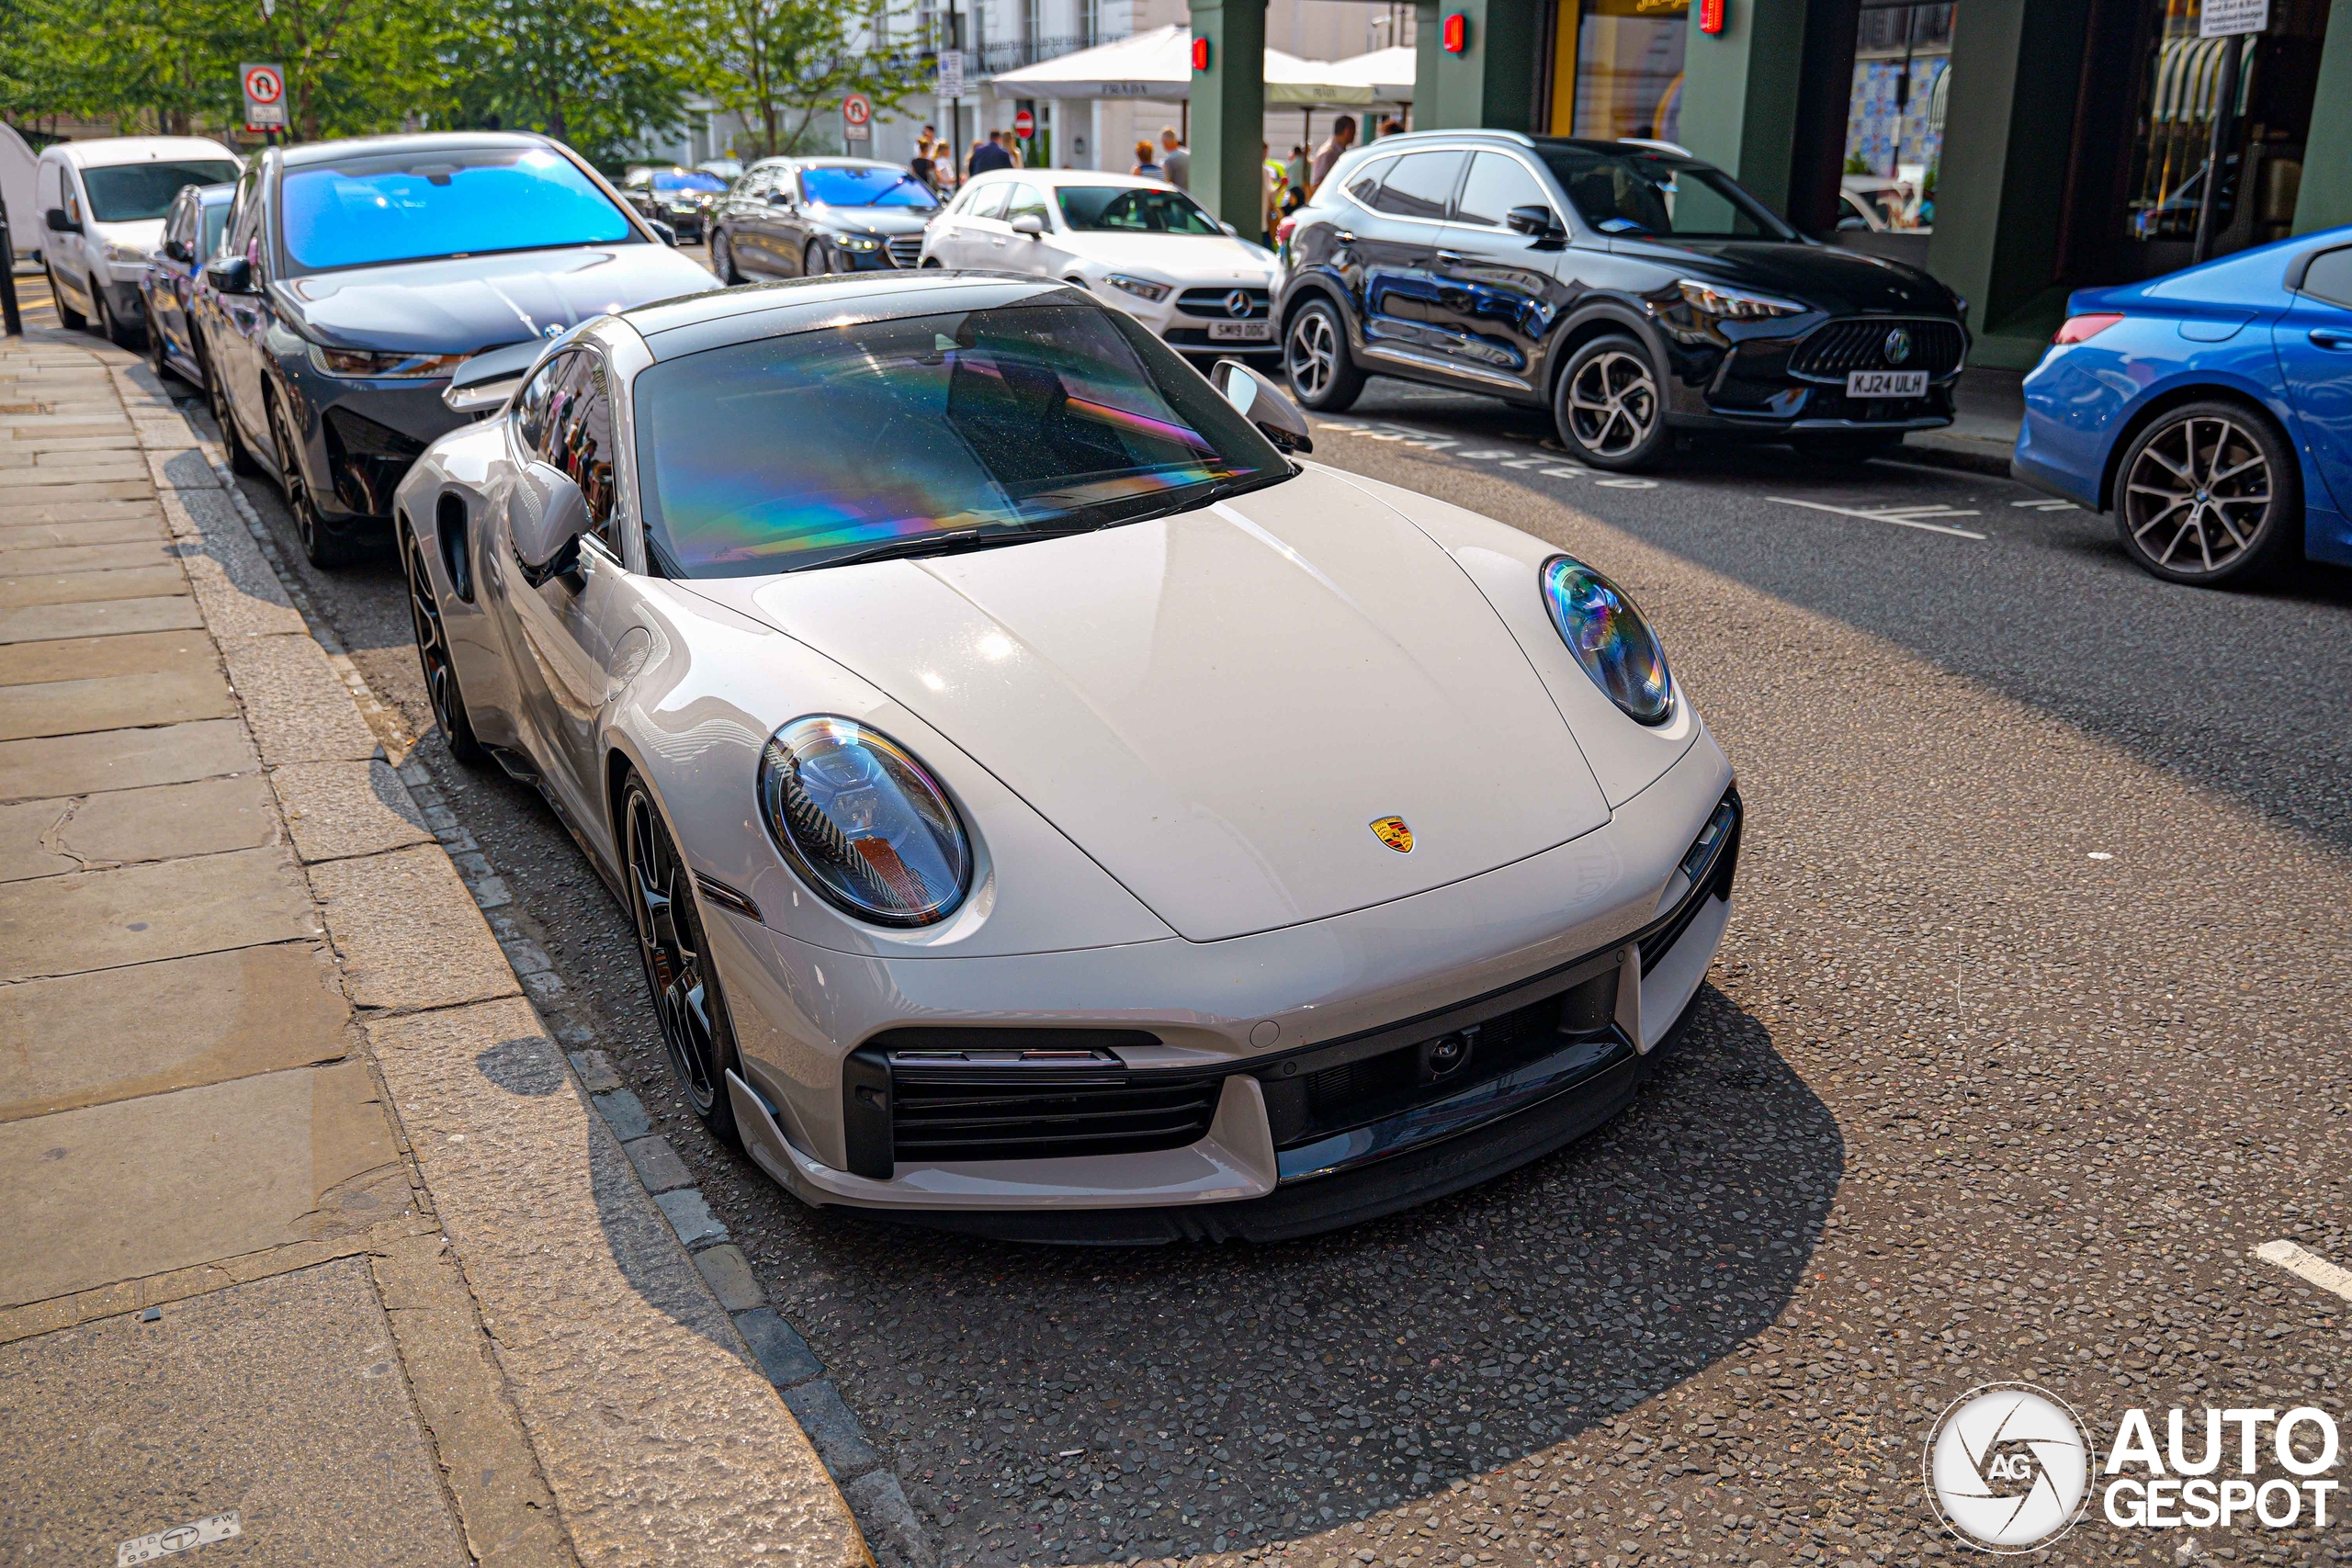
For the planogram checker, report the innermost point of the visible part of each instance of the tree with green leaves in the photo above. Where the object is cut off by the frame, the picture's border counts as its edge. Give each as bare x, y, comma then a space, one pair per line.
595, 73
783, 64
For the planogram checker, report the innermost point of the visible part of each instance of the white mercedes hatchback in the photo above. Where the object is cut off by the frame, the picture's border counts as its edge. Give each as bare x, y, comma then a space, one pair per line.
1140, 244
1046, 805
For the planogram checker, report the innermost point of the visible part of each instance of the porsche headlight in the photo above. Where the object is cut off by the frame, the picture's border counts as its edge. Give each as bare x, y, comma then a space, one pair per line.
862, 822
1738, 304
1610, 639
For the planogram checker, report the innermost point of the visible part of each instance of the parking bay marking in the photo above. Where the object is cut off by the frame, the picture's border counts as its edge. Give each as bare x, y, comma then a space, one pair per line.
2307, 1266
1900, 516
2047, 504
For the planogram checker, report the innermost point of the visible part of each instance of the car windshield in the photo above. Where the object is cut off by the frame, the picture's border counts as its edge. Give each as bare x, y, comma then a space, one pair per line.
865, 188
1132, 209
126, 193
1032, 419
395, 206
1627, 190
687, 179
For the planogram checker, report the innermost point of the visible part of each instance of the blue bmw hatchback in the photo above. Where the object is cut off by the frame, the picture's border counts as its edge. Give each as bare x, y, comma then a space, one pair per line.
2209, 409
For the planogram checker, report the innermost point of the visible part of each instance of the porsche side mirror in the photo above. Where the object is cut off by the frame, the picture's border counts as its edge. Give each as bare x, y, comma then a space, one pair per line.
1029, 224
230, 275
1534, 220
1263, 404
545, 514
668, 235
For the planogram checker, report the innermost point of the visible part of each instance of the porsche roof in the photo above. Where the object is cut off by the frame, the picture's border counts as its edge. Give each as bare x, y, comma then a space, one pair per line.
696, 321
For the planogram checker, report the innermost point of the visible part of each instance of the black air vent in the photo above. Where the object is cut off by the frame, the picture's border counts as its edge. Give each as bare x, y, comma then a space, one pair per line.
1029, 1109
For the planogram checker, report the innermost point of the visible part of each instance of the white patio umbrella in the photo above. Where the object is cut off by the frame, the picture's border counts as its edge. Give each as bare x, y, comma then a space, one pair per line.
1159, 65
1387, 74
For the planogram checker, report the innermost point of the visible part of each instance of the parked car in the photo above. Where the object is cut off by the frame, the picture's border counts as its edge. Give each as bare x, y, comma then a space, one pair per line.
730, 169
2211, 411
1140, 244
102, 212
806, 217
1641, 295
353, 278
946, 794
192, 231
679, 198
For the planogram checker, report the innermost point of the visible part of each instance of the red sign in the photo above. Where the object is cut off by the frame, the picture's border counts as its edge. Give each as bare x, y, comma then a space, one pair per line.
1711, 16
1199, 54
1024, 124
1456, 36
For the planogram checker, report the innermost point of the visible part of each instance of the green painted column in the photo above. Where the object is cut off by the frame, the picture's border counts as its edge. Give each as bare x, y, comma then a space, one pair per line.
1229, 111
1740, 92
2000, 188
1427, 51
1491, 84
2325, 198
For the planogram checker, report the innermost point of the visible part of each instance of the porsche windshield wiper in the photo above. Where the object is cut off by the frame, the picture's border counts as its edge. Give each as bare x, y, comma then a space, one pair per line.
948, 543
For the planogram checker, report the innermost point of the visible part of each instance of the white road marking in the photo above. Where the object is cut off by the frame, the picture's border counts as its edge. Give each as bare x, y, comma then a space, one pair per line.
2307, 1266
1900, 516
1628, 484
2047, 504
2100, 854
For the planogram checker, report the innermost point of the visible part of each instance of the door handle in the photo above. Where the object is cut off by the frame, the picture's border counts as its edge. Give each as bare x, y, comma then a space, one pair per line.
1345, 236
2331, 337
1452, 258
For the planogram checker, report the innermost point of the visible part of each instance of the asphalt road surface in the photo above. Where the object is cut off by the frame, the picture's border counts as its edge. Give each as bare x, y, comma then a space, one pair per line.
2030, 1027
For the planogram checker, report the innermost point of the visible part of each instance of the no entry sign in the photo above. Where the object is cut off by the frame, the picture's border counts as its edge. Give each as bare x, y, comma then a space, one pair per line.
1024, 124
265, 89
857, 118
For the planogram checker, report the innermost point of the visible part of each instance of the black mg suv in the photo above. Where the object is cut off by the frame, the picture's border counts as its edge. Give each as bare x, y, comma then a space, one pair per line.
1638, 293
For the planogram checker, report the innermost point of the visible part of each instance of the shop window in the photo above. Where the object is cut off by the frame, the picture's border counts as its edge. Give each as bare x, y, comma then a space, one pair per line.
1894, 118
1628, 68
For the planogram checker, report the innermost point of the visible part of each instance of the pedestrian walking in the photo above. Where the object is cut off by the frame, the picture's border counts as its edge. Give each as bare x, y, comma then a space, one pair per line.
990, 155
1343, 136
1295, 171
1145, 167
1175, 157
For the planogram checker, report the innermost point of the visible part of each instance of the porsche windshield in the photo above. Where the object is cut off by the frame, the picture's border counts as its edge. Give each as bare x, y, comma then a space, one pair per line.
927, 433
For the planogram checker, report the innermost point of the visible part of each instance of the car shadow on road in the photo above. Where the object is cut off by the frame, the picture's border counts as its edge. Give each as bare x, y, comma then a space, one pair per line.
1077, 1404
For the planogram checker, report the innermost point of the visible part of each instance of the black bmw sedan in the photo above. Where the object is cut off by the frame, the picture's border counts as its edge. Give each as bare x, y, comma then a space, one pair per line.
807, 217
1640, 294
355, 277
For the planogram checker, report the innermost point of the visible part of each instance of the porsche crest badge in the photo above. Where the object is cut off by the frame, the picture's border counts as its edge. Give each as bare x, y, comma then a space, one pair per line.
1392, 831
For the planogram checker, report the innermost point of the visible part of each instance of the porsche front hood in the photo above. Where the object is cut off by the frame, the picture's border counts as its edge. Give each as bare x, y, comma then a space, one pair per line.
1218, 706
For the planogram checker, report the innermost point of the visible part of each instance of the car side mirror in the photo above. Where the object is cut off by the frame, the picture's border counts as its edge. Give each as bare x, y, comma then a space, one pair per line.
175, 250
230, 275
1231, 232
668, 235
545, 514
59, 223
779, 198
1263, 404
1534, 220
1029, 224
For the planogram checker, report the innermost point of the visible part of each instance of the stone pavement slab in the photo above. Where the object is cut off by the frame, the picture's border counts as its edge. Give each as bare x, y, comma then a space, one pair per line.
137, 1187
174, 908
298, 709
126, 758
119, 1428
86, 657
104, 617
36, 560
335, 810
113, 701
132, 529
409, 933
36, 503
120, 1033
77, 587
49, 838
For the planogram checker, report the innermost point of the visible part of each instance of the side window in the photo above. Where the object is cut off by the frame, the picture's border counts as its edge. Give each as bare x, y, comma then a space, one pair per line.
1028, 202
1497, 183
989, 201
175, 225
1419, 185
531, 408
1365, 186
244, 218
580, 424
2329, 277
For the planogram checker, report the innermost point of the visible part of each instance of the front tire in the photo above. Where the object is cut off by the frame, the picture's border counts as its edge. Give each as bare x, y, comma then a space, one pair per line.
441, 688
2210, 494
696, 1030
1323, 376
814, 261
71, 319
1608, 406
328, 552
722, 256
216, 391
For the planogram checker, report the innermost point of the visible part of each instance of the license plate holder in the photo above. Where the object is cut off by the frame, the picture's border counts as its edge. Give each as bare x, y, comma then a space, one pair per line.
1242, 331
1887, 384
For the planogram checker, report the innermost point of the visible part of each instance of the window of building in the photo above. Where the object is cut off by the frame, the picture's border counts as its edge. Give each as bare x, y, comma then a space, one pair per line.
1627, 69
1895, 116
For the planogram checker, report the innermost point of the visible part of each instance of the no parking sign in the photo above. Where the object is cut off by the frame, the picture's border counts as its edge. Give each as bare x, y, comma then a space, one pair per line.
857, 118
264, 87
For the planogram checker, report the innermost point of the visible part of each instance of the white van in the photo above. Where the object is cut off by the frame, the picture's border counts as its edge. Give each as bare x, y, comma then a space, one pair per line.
102, 205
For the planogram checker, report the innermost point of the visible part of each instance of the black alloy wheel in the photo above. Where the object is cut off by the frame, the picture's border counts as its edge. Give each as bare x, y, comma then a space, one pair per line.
678, 971
1608, 406
322, 549
232, 441
2210, 494
1323, 376
71, 319
722, 259
441, 687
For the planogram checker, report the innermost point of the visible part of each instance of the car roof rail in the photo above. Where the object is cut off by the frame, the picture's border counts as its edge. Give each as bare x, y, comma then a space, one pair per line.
1518, 137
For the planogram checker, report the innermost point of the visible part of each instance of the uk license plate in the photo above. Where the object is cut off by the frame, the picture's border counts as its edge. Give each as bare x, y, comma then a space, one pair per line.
1887, 384
1242, 331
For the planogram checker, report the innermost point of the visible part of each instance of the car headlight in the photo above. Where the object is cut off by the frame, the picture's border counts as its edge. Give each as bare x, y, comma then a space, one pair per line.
127, 256
1141, 287
862, 822
1717, 300
1610, 639
858, 243
365, 365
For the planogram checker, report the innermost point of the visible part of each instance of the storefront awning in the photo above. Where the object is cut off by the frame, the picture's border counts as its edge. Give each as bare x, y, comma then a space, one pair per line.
1389, 73
1159, 65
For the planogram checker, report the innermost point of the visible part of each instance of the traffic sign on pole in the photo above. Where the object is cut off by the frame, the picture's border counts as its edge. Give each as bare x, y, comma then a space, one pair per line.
1024, 124
857, 118
264, 88
951, 73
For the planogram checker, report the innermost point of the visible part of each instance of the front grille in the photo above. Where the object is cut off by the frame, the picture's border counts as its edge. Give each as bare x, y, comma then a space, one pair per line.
904, 250
1019, 1109
1213, 302
1836, 348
